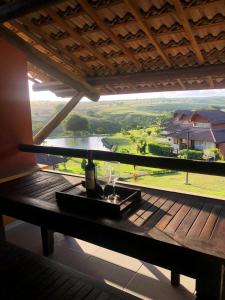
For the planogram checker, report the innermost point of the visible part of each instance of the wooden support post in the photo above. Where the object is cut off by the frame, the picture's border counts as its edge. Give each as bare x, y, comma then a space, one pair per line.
175, 278
2, 229
57, 119
210, 282
47, 241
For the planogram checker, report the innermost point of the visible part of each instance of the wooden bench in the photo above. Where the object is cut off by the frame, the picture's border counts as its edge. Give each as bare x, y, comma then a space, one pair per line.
25, 275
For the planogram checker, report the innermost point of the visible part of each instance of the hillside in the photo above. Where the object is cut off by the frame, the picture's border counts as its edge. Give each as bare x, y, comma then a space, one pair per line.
128, 114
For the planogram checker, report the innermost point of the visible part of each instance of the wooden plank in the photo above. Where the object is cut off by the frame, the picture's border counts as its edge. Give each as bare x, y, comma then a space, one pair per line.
188, 220
200, 221
210, 223
39, 186
215, 227
24, 182
193, 166
177, 219
145, 205
160, 213
150, 211
161, 225
144, 26
54, 69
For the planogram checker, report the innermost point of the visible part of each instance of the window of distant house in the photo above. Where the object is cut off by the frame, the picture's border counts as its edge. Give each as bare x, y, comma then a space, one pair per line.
205, 125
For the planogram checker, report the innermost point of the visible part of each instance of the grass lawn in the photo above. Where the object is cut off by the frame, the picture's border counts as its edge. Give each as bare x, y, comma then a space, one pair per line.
199, 184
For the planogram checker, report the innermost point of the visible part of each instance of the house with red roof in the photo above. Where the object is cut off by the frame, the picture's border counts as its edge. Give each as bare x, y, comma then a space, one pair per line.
199, 130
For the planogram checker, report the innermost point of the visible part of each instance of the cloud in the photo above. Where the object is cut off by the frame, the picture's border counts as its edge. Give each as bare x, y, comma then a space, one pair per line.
49, 96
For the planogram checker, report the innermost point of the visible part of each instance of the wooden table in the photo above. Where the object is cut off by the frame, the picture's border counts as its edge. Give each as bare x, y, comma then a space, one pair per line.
183, 233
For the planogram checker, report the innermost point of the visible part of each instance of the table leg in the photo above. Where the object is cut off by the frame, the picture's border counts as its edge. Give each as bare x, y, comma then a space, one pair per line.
47, 241
175, 278
209, 284
2, 229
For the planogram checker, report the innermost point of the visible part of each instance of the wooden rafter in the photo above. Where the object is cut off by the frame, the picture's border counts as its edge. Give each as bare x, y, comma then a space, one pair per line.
75, 61
187, 28
144, 26
92, 13
211, 83
181, 84
45, 45
78, 38
54, 69
111, 89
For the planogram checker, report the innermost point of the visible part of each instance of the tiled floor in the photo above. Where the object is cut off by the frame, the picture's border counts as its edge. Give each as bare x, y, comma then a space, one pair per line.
143, 280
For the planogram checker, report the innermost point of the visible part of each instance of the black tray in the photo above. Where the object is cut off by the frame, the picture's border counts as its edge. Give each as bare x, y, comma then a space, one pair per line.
75, 197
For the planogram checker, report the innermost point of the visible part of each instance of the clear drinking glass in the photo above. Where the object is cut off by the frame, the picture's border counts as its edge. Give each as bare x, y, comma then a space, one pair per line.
114, 176
103, 176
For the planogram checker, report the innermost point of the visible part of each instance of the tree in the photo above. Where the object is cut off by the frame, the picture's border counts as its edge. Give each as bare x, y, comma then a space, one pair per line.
77, 123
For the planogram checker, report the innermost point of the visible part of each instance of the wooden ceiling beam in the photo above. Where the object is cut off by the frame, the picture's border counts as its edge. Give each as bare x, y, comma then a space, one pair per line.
80, 39
53, 69
45, 45
187, 28
19, 8
53, 85
106, 29
162, 75
144, 26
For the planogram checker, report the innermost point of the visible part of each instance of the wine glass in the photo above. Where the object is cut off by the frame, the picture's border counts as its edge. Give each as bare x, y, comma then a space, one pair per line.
114, 176
103, 176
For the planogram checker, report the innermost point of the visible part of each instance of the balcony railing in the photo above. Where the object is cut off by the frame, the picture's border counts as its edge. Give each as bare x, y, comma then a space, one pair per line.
193, 166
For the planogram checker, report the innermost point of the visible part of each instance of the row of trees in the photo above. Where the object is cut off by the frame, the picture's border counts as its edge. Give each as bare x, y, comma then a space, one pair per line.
96, 124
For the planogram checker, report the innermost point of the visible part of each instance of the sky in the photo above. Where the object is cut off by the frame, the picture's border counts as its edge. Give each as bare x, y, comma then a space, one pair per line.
46, 95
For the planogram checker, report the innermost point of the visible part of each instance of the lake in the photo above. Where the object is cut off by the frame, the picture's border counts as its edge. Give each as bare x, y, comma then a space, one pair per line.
91, 142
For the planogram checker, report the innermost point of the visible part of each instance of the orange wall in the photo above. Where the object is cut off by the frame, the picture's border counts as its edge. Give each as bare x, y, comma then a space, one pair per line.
15, 115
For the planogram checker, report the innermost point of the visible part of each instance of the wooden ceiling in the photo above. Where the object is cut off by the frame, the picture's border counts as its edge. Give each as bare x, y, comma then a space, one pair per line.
127, 46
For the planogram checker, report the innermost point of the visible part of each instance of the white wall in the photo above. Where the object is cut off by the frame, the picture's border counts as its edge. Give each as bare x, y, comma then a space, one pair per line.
202, 145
